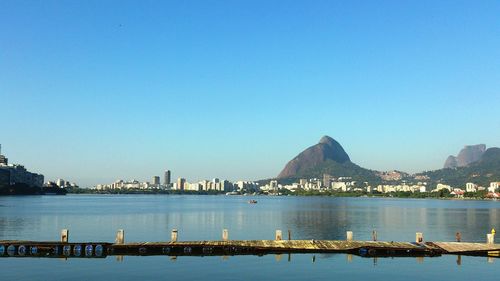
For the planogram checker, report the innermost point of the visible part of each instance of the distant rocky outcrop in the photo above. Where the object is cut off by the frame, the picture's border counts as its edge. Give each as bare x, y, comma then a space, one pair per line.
326, 149
451, 162
482, 171
468, 155
490, 159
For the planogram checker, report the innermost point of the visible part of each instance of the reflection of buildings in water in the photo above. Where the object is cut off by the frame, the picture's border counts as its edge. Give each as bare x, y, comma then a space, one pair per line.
441, 219
493, 215
10, 227
243, 222
197, 225
473, 223
478, 222
319, 224
391, 223
448, 222
422, 216
470, 218
331, 220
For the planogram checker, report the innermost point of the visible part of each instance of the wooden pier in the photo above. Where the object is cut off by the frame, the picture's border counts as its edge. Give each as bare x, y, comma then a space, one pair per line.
225, 247
9, 248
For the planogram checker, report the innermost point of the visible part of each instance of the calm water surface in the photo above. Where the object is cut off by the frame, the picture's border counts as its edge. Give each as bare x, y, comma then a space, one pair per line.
151, 218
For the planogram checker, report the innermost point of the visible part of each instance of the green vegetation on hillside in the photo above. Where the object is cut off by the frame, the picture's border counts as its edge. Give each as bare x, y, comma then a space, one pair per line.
335, 169
481, 172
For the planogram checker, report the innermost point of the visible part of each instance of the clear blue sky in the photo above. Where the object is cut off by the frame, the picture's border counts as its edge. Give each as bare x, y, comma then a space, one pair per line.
93, 91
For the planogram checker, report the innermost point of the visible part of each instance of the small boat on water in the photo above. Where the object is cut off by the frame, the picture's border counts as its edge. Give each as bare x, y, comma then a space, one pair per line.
252, 201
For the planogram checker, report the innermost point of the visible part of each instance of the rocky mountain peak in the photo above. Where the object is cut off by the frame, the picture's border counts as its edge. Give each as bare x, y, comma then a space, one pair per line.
327, 140
327, 149
468, 155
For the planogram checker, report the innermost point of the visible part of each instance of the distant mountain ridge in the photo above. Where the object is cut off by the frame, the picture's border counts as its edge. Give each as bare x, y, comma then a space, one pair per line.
482, 171
474, 163
469, 154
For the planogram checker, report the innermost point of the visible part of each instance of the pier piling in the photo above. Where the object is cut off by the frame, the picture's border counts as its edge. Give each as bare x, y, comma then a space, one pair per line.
349, 235
278, 235
120, 237
419, 237
64, 235
173, 236
490, 238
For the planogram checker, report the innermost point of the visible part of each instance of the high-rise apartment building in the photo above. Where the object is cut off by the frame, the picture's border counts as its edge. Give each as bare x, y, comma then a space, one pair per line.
3, 159
156, 180
167, 178
180, 183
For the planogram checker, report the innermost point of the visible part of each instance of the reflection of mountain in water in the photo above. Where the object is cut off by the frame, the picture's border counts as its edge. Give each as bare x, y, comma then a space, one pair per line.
394, 220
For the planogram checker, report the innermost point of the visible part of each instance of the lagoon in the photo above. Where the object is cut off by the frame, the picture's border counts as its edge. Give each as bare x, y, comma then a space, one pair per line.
151, 218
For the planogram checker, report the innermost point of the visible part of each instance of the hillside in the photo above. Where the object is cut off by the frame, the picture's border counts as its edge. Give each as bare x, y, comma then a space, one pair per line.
325, 157
481, 172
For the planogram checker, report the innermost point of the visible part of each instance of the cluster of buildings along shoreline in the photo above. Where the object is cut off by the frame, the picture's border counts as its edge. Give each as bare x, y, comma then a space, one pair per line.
326, 184
181, 184
346, 184
14, 178
14, 174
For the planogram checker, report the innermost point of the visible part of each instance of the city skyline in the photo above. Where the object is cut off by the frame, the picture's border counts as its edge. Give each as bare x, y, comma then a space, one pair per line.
236, 89
167, 177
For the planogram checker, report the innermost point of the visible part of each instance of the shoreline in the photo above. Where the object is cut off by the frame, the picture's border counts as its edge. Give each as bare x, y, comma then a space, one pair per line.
292, 195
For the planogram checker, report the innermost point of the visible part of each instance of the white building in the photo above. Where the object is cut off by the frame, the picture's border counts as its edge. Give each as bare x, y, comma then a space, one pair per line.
339, 185
470, 187
441, 186
247, 185
195, 187
493, 186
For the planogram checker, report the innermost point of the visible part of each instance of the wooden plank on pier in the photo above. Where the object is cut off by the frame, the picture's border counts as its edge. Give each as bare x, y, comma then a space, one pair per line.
287, 245
461, 247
